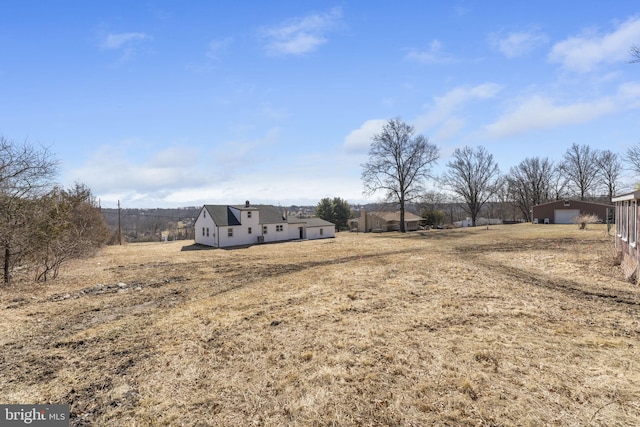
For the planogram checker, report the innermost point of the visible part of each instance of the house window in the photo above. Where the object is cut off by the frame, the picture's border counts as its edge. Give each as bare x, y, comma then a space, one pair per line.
279, 227
249, 230
207, 231
264, 229
203, 231
625, 221
204, 214
249, 214
619, 219
230, 232
632, 222
321, 232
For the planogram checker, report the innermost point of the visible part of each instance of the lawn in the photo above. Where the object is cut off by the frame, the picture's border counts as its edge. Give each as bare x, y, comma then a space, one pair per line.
524, 325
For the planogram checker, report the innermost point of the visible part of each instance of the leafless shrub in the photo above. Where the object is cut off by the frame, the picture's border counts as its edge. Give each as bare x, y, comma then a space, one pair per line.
585, 219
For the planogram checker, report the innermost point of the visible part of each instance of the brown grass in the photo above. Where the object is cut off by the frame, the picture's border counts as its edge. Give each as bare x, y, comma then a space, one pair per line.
516, 325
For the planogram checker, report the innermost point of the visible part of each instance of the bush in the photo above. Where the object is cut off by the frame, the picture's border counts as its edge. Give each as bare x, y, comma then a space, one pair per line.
585, 219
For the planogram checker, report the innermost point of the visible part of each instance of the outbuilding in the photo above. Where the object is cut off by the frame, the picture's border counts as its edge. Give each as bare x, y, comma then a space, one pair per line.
627, 223
564, 211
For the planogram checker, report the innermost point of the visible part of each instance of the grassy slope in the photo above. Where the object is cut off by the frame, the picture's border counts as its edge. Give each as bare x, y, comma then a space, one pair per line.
516, 325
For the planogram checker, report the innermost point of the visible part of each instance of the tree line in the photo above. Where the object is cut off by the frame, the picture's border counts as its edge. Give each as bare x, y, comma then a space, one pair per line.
42, 225
400, 165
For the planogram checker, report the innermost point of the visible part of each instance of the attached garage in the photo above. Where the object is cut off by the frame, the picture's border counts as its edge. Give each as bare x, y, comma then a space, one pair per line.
565, 216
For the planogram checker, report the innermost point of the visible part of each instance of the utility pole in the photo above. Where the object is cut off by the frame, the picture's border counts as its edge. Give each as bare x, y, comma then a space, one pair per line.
119, 226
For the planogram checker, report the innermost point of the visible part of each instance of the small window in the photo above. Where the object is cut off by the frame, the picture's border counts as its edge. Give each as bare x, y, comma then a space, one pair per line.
249, 214
204, 214
632, 223
264, 229
279, 227
249, 230
203, 231
207, 231
230, 232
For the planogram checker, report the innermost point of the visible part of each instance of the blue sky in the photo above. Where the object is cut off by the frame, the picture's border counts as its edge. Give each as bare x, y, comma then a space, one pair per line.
167, 104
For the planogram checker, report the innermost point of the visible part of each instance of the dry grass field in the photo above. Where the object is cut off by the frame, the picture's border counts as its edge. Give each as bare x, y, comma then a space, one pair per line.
526, 325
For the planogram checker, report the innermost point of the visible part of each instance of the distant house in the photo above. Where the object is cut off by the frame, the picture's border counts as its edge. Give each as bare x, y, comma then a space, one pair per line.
627, 227
385, 221
479, 221
564, 211
226, 226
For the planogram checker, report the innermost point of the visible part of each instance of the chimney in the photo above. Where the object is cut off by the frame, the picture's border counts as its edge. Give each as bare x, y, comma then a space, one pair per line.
246, 204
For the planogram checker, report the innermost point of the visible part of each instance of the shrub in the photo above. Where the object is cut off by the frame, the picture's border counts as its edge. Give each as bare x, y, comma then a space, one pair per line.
585, 219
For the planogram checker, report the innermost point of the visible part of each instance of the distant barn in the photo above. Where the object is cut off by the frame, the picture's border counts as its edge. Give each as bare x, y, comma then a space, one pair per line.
564, 211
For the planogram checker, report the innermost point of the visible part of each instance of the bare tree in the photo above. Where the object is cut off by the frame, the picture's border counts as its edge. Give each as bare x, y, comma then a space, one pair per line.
66, 224
559, 183
25, 173
634, 53
580, 167
609, 170
399, 163
474, 176
632, 155
530, 183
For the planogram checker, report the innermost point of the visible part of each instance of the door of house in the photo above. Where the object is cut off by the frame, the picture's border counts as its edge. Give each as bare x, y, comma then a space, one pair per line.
301, 230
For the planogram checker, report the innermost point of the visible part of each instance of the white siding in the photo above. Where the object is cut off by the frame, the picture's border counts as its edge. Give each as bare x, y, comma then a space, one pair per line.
321, 232
271, 235
205, 230
294, 231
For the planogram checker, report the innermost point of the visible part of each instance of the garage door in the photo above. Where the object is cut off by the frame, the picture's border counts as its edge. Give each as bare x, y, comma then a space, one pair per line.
565, 216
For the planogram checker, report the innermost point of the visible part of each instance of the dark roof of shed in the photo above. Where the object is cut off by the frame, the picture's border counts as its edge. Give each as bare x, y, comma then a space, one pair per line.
572, 201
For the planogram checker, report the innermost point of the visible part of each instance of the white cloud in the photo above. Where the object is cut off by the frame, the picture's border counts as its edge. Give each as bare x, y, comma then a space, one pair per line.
441, 111
517, 43
359, 140
301, 35
585, 52
542, 112
113, 170
122, 40
449, 128
126, 44
217, 46
174, 177
432, 55
245, 154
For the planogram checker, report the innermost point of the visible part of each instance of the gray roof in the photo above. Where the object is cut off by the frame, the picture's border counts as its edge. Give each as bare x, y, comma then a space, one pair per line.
312, 222
222, 215
270, 215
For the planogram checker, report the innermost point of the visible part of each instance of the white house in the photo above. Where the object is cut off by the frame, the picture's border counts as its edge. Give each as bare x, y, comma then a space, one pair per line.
224, 226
